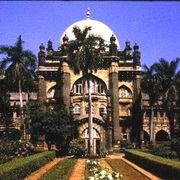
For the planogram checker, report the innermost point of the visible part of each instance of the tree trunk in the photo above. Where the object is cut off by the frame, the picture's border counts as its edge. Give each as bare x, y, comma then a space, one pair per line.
171, 123
151, 126
91, 148
21, 109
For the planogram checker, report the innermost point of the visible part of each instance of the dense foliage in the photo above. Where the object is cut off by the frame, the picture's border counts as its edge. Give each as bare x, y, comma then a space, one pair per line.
77, 147
55, 125
14, 149
163, 150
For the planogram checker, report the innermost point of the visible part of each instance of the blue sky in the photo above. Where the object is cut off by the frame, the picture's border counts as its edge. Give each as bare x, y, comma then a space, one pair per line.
153, 25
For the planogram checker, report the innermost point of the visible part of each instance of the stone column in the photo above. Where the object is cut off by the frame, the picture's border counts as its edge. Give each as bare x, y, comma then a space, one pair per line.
41, 90
109, 124
114, 93
66, 85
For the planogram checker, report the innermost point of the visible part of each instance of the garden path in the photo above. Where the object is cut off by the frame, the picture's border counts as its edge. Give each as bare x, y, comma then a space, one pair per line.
78, 170
104, 164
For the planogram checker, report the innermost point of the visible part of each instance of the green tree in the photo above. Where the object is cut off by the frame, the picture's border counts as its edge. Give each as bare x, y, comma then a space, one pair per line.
55, 125
170, 80
84, 56
19, 66
5, 115
150, 85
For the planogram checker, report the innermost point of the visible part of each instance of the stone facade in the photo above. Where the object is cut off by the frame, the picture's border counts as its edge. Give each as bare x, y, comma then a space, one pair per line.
120, 110
114, 89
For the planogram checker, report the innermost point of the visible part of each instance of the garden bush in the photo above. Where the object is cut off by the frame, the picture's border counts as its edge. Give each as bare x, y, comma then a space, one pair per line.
20, 168
163, 150
77, 147
167, 169
12, 149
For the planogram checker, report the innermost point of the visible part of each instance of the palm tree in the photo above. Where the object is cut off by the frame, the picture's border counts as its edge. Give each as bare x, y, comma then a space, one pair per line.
83, 56
150, 85
19, 66
170, 80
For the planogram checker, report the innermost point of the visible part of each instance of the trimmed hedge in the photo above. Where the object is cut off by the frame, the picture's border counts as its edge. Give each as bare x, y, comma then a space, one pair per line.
20, 168
161, 167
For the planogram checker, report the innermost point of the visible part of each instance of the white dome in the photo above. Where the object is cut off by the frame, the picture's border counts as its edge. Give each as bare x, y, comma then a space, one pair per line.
98, 28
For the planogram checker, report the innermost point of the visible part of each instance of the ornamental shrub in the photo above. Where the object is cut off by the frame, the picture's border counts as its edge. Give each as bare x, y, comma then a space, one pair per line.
77, 147
163, 150
13, 149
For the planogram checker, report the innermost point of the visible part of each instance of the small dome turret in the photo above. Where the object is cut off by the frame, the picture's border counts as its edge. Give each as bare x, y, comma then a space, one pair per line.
136, 47
65, 39
112, 38
42, 47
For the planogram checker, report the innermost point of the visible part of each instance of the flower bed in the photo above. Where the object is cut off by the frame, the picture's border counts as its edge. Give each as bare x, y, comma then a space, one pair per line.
97, 173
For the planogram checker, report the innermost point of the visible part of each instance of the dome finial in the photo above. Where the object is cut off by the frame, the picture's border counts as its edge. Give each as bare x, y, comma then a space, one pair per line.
88, 13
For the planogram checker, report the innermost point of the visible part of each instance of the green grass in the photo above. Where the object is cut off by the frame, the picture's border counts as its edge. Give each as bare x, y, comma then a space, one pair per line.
61, 171
126, 170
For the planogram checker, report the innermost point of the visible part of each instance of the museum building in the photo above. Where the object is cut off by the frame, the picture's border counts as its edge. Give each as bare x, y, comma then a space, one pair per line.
119, 109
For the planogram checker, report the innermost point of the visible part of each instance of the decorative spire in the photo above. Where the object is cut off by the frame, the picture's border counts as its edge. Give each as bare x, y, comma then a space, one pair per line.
88, 14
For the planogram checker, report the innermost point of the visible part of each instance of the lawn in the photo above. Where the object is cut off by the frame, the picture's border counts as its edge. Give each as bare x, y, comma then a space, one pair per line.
126, 170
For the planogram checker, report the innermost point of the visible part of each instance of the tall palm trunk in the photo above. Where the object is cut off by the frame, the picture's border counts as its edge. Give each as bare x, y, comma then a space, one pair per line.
171, 123
151, 126
91, 148
21, 107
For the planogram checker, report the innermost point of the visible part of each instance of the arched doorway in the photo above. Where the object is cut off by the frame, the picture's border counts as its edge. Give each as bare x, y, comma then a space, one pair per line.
162, 136
99, 135
146, 136
96, 139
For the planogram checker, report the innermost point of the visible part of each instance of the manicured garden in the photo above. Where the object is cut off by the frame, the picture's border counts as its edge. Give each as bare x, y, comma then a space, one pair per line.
60, 171
18, 159
167, 168
20, 168
128, 172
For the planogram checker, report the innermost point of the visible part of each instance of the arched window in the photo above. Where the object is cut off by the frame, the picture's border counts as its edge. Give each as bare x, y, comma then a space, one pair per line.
95, 133
51, 93
101, 87
91, 83
102, 109
78, 88
96, 86
76, 109
125, 92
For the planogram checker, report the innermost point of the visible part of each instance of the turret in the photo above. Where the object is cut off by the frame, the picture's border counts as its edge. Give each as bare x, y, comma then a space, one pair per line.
113, 46
63, 47
127, 51
50, 48
136, 55
41, 55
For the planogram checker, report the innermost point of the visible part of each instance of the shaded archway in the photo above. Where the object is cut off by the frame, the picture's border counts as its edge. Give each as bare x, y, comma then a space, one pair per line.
162, 136
146, 136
